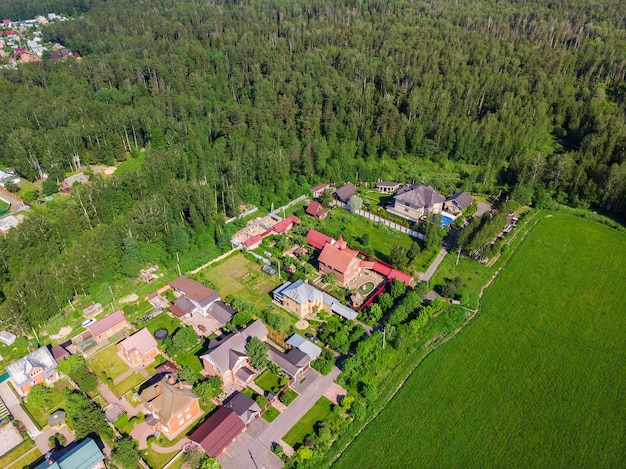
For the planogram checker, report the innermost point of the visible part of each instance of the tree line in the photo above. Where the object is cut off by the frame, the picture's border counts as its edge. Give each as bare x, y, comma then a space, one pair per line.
257, 101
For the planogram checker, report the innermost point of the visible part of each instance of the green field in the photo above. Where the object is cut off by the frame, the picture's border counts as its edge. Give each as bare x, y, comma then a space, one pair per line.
537, 380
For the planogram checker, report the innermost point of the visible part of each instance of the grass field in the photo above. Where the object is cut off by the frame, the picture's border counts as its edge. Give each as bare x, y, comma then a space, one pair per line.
537, 380
306, 424
242, 278
108, 361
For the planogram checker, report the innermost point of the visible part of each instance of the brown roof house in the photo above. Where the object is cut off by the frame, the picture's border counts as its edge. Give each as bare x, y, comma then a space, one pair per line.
316, 210
458, 202
416, 201
338, 259
245, 407
38, 367
218, 431
194, 297
228, 358
344, 193
387, 187
170, 403
318, 189
139, 348
108, 325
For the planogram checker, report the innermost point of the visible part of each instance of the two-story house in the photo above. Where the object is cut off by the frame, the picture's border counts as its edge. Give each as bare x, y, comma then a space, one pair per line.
139, 348
38, 367
416, 201
228, 358
171, 405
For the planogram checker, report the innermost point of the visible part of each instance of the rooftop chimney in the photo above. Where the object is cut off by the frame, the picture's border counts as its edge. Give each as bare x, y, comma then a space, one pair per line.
171, 379
157, 389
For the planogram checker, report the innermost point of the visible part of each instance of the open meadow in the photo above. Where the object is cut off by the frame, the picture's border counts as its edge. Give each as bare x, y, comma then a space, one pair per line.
536, 380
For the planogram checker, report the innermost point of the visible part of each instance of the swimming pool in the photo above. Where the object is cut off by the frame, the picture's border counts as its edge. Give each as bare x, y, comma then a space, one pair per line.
446, 220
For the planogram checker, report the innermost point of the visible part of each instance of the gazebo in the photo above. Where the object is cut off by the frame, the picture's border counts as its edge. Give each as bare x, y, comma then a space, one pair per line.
56, 418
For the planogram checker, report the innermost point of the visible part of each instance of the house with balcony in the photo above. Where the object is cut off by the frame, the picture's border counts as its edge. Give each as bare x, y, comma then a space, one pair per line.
416, 201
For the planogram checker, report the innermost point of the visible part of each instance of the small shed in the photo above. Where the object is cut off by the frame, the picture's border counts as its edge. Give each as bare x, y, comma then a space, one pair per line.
56, 418
7, 338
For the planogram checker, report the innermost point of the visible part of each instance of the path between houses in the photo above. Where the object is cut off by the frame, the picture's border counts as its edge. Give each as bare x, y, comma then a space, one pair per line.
433, 266
13, 404
252, 448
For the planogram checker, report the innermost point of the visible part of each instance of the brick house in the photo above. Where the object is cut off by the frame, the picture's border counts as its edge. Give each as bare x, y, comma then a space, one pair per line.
139, 348
108, 325
170, 403
341, 261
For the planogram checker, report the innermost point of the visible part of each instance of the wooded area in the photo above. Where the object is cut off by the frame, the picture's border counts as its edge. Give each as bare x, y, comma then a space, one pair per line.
256, 101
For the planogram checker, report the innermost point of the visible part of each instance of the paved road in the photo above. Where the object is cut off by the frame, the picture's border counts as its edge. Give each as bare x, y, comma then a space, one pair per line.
13, 404
251, 449
433, 267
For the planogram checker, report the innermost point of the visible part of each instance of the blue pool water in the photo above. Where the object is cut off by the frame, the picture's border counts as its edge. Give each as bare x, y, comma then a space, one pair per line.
446, 220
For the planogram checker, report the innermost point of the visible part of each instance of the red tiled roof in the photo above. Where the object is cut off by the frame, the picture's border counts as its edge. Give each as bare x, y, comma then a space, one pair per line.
317, 240
177, 311
256, 239
282, 226
337, 259
218, 431
294, 219
389, 272
315, 209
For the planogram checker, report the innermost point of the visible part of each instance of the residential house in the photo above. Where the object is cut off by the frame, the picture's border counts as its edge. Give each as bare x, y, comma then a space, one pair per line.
316, 210
9, 175
59, 352
139, 348
341, 261
285, 224
304, 299
245, 407
84, 454
306, 346
107, 326
218, 431
299, 297
294, 362
38, 367
171, 405
228, 358
387, 187
193, 297
458, 202
318, 190
317, 239
344, 193
68, 182
416, 201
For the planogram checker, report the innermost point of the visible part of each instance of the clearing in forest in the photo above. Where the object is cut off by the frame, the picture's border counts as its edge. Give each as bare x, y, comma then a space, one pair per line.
536, 380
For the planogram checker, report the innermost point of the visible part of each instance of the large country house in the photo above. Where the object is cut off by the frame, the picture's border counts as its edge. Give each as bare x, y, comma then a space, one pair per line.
416, 201
38, 367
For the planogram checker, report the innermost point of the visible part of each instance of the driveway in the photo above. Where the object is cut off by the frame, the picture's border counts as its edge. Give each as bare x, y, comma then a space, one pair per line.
42, 439
13, 404
252, 449
210, 324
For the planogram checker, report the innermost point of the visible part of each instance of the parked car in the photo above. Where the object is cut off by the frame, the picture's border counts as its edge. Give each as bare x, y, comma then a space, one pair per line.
312, 337
88, 322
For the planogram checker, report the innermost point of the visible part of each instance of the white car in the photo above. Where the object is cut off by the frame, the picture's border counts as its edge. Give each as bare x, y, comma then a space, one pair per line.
88, 322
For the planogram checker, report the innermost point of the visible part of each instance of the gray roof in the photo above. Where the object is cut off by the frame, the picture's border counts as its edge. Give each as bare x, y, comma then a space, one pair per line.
221, 312
80, 178
302, 292
338, 308
461, 199
7, 338
387, 184
291, 362
419, 195
225, 354
345, 192
20, 369
245, 407
305, 346
185, 304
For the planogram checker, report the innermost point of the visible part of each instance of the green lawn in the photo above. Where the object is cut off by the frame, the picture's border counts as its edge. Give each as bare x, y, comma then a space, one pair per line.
267, 381
270, 414
352, 227
157, 460
288, 396
108, 361
191, 358
537, 380
306, 424
127, 384
27, 459
163, 321
242, 278
3, 205
17, 452
41, 414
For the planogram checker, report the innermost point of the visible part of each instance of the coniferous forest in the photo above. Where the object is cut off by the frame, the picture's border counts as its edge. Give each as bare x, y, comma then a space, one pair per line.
256, 101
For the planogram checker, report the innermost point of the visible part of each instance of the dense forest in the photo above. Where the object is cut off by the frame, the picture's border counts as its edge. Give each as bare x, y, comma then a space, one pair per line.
256, 101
